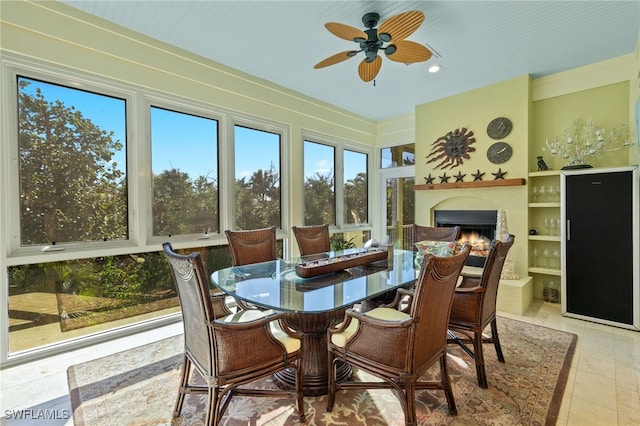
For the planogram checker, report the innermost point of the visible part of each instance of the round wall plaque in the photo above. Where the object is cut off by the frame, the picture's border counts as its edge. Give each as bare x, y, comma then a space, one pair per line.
499, 152
499, 128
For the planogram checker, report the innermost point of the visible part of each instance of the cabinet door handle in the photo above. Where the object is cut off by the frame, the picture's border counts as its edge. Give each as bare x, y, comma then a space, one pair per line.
568, 229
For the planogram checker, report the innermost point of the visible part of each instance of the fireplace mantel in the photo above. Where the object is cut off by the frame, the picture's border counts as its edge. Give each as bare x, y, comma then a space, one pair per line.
476, 184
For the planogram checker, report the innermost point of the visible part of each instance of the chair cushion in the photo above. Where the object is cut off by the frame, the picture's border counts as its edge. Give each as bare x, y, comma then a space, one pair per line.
244, 315
291, 344
386, 314
437, 248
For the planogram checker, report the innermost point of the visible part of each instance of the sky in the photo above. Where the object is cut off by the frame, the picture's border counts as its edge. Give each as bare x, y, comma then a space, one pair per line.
186, 142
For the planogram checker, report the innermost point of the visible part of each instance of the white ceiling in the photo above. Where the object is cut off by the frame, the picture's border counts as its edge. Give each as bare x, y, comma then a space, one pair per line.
479, 42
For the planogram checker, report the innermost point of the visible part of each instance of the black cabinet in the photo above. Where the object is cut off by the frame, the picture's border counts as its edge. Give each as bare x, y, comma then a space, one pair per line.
600, 245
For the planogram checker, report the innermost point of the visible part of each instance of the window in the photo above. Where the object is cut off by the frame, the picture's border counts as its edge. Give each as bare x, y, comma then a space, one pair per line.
184, 157
319, 184
72, 151
257, 178
336, 184
355, 188
398, 156
56, 301
400, 210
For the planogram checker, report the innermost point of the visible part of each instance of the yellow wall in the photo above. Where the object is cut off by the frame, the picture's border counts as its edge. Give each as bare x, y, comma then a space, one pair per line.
396, 131
474, 110
607, 105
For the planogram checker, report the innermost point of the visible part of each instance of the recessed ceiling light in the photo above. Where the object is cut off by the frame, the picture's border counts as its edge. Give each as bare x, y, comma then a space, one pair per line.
435, 68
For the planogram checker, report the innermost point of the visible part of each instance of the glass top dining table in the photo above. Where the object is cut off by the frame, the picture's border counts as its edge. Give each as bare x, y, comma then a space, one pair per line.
275, 284
312, 305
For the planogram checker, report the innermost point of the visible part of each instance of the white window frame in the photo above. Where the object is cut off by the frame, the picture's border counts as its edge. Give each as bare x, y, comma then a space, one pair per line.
186, 107
11, 69
383, 175
229, 167
340, 146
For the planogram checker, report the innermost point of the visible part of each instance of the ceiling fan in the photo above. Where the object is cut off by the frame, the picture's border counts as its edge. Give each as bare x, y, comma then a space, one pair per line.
393, 32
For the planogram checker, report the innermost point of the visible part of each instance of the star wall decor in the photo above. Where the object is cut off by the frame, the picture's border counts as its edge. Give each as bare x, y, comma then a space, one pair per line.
460, 177
477, 176
444, 178
429, 179
499, 175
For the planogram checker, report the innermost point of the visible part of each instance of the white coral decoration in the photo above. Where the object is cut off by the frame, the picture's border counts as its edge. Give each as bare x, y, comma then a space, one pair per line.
585, 140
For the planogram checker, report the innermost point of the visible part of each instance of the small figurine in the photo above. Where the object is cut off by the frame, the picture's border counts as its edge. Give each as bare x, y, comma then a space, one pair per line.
541, 164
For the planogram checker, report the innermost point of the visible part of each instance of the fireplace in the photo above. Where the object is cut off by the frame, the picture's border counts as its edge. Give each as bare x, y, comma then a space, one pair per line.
478, 229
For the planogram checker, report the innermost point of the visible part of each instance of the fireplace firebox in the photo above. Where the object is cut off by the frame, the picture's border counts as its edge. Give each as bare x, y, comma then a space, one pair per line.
478, 229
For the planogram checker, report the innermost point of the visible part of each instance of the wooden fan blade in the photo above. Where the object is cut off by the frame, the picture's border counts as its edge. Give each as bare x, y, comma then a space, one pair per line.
334, 59
346, 32
409, 52
369, 70
402, 25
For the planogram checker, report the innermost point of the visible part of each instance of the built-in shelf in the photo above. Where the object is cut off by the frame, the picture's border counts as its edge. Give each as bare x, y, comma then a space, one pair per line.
476, 184
545, 173
544, 207
545, 271
555, 205
555, 238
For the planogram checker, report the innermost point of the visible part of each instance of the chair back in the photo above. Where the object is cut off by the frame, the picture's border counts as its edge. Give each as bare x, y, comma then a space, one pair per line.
432, 302
192, 287
491, 272
435, 233
312, 239
252, 246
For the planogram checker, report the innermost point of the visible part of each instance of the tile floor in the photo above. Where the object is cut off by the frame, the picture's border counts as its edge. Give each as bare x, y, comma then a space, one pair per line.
603, 387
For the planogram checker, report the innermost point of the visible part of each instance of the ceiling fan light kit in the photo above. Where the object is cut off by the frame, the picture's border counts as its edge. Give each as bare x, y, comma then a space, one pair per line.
393, 31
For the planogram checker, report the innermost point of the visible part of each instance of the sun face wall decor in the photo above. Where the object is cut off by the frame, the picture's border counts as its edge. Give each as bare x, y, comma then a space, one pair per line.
452, 149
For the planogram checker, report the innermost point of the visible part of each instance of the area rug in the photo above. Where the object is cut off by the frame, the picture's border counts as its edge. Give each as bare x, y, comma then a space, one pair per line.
139, 386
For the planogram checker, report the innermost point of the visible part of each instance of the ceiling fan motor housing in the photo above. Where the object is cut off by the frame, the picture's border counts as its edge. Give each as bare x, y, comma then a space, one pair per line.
370, 19
371, 45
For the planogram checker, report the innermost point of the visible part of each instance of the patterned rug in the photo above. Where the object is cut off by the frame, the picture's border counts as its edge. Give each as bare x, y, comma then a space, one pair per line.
139, 386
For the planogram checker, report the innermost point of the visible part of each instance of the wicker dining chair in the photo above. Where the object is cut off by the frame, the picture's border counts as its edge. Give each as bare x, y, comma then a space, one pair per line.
420, 233
312, 239
474, 308
413, 341
218, 298
252, 246
435, 233
222, 349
